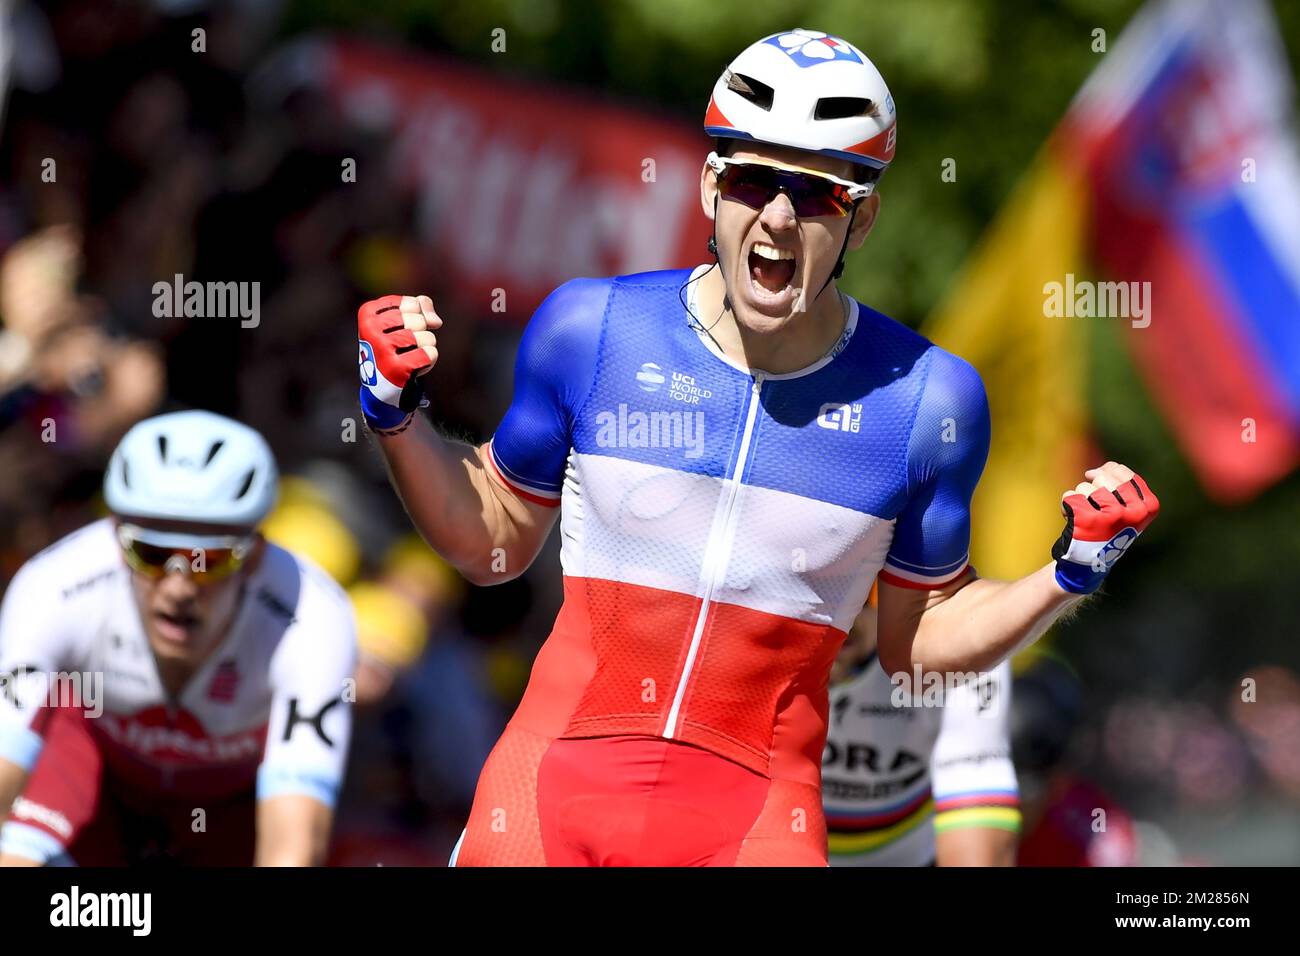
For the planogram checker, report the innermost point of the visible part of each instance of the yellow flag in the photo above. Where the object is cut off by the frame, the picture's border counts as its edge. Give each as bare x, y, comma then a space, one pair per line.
1033, 367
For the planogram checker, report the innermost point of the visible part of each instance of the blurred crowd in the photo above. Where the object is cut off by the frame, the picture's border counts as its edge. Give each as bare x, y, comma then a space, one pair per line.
126, 158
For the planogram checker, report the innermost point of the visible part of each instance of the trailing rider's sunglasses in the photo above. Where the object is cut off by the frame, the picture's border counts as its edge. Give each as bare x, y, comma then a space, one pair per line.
811, 194
207, 559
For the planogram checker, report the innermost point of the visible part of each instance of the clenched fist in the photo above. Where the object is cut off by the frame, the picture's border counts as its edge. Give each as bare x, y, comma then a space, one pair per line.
395, 345
1103, 517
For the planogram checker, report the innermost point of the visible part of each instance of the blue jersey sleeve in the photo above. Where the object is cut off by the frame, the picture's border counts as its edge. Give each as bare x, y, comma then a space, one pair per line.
947, 450
553, 374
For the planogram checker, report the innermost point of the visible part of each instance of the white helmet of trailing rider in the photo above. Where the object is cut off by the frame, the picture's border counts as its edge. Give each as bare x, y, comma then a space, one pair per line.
192, 466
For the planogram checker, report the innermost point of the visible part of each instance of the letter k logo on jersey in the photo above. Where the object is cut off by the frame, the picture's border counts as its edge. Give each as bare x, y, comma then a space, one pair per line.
316, 723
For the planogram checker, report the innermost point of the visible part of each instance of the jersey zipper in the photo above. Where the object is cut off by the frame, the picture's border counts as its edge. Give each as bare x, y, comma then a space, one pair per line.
716, 554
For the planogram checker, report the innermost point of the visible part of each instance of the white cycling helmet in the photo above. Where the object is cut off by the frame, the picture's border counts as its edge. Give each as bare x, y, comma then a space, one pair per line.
192, 466
807, 90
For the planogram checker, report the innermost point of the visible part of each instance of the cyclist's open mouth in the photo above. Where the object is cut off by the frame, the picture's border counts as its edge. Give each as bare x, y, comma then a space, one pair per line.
176, 627
771, 271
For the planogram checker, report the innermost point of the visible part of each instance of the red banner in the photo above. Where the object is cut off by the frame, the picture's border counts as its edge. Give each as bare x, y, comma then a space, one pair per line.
521, 188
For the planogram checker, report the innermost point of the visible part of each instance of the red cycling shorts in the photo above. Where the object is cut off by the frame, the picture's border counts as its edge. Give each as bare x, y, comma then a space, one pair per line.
74, 811
634, 801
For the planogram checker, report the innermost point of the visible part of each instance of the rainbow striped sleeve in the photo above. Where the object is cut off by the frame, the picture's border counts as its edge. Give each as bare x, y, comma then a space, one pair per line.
997, 809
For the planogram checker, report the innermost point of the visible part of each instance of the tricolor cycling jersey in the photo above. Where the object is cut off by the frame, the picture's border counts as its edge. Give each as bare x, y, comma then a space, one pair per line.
721, 528
266, 710
895, 772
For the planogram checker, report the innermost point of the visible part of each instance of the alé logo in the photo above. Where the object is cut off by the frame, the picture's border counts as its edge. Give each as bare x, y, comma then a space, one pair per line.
839, 417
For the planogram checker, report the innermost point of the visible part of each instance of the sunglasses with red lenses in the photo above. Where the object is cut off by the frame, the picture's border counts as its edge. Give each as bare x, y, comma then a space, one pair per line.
207, 559
811, 194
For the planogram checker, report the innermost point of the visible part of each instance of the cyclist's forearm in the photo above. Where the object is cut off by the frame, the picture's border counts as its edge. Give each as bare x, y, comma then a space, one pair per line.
975, 846
292, 830
12, 780
448, 495
987, 621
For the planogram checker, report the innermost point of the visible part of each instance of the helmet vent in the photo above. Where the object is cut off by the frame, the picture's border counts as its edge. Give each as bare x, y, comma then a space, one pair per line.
842, 107
126, 474
212, 452
248, 483
758, 93
162, 447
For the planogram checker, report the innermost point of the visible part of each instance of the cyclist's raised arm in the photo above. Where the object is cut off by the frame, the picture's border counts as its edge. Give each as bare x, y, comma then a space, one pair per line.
934, 623
310, 727
936, 616
486, 510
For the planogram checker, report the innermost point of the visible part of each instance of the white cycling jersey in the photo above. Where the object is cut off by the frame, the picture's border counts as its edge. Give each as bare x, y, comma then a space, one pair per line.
266, 713
887, 769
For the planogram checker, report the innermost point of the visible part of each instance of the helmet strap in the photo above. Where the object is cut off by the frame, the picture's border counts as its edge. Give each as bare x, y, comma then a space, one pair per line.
712, 244
839, 262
